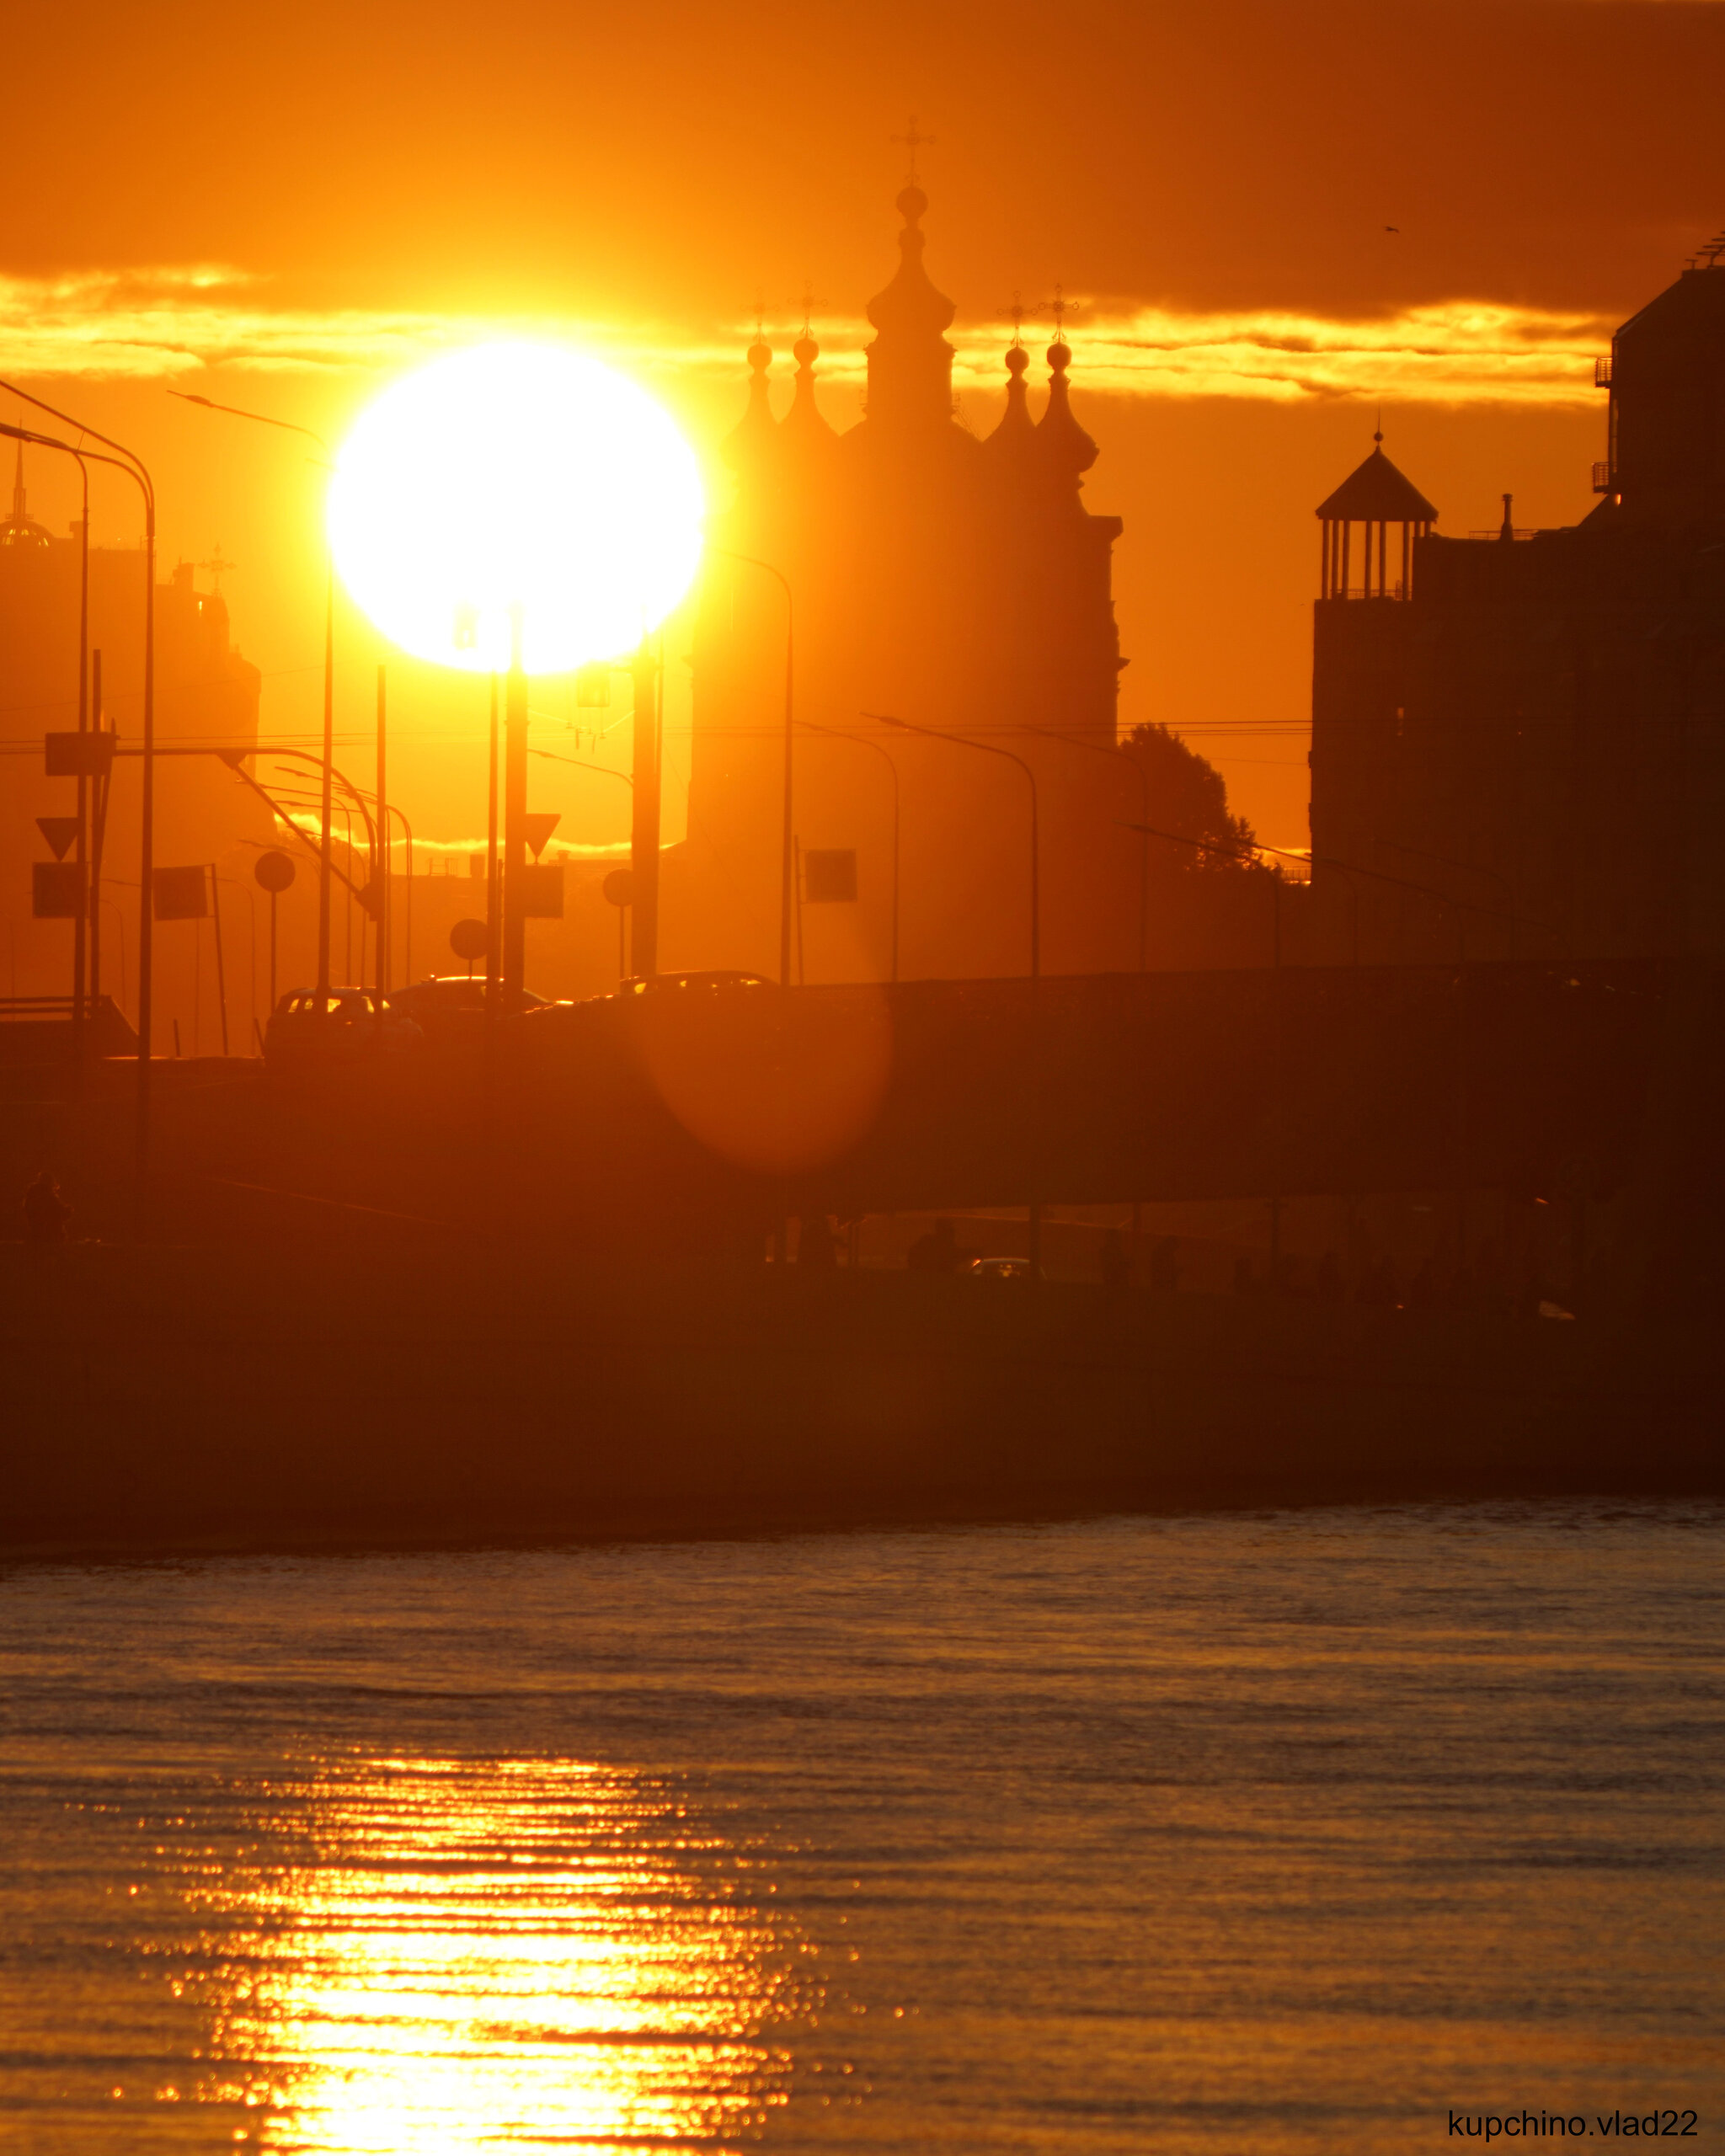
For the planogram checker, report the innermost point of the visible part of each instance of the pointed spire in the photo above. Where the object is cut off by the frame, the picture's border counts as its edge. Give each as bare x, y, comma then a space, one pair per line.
757, 429
909, 362
19, 529
1506, 528
1066, 450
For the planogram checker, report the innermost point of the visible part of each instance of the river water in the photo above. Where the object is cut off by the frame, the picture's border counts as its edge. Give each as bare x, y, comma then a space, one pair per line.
1293, 1831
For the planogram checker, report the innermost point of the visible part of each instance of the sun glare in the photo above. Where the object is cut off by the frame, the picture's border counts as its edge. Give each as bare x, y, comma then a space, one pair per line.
516, 476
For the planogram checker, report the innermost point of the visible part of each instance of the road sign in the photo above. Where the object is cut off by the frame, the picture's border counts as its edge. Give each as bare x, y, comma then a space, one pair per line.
59, 831
544, 892
830, 876
54, 891
538, 826
181, 893
79, 755
274, 870
470, 940
619, 887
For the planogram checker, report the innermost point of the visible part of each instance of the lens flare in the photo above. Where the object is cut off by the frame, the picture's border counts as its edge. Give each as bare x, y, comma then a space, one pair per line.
516, 476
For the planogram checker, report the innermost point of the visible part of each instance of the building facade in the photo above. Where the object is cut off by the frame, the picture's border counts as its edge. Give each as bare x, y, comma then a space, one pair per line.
955, 583
1518, 738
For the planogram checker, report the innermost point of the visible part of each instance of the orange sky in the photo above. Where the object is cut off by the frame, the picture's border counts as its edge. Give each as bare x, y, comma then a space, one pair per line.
280, 206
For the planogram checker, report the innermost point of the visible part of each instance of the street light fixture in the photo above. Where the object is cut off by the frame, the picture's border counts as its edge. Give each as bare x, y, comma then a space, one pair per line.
80, 918
1115, 755
787, 853
288, 426
135, 467
990, 749
861, 741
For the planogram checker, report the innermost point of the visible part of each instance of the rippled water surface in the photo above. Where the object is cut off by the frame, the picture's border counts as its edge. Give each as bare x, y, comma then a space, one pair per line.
1283, 1832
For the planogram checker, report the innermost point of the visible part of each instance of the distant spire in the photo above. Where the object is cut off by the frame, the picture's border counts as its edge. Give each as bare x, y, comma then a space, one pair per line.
757, 429
1066, 450
909, 362
1506, 528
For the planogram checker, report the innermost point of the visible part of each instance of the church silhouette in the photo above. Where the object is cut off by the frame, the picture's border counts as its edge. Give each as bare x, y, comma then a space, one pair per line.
958, 585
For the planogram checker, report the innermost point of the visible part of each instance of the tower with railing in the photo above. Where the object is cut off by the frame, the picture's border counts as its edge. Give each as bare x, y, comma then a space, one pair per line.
1373, 501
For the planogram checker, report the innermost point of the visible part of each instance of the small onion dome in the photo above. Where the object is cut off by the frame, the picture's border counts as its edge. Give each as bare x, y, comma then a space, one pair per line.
1066, 448
909, 305
1376, 493
1015, 437
803, 421
756, 430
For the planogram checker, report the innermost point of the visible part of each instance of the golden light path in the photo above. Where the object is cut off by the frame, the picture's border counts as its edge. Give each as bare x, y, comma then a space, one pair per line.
535, 1954
515, 479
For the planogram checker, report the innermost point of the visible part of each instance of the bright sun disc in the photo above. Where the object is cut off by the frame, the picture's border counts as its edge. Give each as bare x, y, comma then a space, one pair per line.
514, 476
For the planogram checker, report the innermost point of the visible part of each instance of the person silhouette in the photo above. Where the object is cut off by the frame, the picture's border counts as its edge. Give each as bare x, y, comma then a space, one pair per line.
45, 1212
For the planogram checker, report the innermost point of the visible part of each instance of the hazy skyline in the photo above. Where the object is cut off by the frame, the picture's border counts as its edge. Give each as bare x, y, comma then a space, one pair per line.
1211, 186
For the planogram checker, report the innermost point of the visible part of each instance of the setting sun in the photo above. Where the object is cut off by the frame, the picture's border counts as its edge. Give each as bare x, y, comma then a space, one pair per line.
516, 475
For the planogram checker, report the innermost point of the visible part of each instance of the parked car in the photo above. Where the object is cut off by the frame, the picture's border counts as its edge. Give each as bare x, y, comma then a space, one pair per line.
714, 984
309, 1031
448, 1007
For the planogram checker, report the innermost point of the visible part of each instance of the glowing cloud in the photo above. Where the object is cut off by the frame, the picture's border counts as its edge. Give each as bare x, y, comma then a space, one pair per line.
174, 322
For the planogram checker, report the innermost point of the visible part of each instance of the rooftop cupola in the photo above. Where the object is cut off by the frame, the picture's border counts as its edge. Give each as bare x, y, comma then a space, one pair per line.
756, 431
910, 360
1373, 496
1067, 452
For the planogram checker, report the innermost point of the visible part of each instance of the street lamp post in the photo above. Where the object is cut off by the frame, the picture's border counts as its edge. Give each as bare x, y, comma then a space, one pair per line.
515, 819
80, 918
861, 741
647, 675
990, 749
287, 426
134, 466
1114, 755
787, 864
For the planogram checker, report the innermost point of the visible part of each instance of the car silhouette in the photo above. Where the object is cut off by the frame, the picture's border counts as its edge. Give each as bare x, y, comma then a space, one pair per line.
449, 1007
307, 1030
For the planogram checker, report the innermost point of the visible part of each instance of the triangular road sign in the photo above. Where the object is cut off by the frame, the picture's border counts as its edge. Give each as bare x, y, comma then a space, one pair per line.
539, 825
60, 831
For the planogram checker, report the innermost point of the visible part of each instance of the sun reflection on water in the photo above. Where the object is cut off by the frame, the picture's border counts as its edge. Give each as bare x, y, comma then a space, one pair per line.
472, 1955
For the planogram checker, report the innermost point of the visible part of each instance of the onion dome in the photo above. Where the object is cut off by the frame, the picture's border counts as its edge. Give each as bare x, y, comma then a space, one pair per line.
803, 422
1376, 493
756, 432
1012, 445
909, 362
1066, 451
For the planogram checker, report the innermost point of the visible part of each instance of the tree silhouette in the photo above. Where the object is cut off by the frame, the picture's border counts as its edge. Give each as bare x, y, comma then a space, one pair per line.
1190, 797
